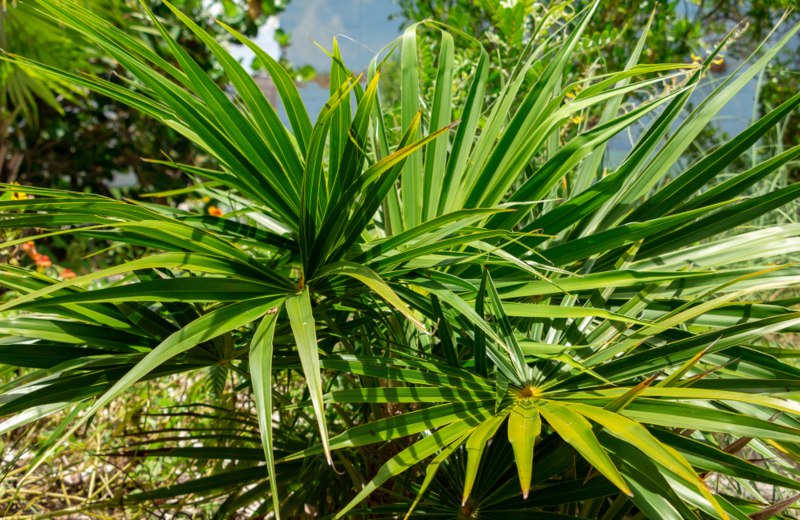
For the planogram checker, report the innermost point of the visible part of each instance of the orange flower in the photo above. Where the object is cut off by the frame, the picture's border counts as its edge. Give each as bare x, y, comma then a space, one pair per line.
214, 211
28, 247
43, 261
67, 274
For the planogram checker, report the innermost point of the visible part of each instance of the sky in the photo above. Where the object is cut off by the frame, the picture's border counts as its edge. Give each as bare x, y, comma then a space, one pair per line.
361, 26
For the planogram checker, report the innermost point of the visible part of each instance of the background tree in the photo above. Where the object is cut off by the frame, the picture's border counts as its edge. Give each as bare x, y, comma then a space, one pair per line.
56, 135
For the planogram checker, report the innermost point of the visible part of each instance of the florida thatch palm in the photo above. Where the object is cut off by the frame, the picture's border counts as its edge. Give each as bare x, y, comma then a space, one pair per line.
440, 287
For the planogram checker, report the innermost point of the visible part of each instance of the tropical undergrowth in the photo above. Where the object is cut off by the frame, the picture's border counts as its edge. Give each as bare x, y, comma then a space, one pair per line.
465, 317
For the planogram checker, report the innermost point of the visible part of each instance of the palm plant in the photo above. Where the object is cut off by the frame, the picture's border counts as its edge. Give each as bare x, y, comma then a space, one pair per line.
462, 294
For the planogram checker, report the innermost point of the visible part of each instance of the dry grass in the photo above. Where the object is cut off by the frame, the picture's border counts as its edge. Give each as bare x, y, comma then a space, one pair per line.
85, 479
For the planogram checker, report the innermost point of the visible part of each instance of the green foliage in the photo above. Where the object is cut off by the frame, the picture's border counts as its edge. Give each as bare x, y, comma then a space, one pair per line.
19, 90
437, 286
44, 122
678, 31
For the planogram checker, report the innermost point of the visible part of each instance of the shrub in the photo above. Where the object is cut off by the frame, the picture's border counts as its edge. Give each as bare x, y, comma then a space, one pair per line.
457, 295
